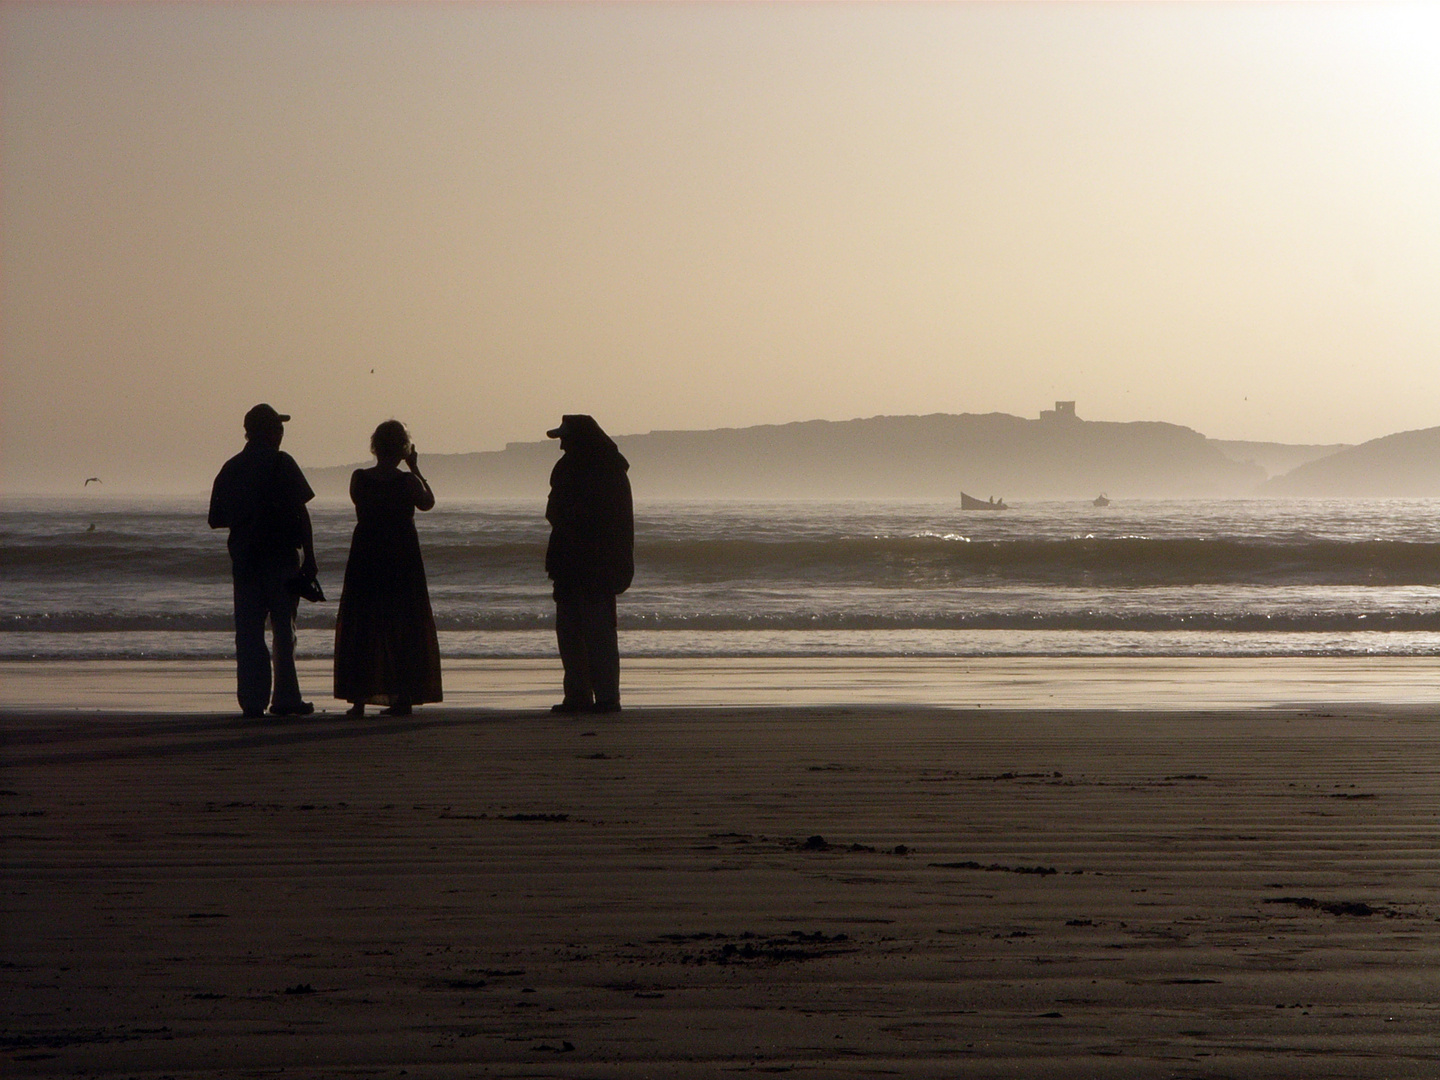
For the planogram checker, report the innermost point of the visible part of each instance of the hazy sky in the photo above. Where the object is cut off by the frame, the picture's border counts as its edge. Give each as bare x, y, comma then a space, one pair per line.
475, 217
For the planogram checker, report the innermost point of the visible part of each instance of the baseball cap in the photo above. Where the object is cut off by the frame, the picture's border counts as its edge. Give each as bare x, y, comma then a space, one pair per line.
262, 417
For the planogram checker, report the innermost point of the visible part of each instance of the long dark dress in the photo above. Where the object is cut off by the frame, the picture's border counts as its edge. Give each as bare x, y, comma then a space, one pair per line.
386, 652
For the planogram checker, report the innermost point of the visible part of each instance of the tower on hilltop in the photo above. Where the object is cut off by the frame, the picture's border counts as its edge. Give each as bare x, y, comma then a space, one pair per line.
1063, 413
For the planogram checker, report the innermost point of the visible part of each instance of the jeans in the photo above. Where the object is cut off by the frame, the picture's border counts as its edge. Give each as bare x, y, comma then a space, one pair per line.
585, 630
261, 593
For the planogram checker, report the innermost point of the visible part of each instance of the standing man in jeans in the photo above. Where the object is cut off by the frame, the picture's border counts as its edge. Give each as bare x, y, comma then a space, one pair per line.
260, 496
591, 559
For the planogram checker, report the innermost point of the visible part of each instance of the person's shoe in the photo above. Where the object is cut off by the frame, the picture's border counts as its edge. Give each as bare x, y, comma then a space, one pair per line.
300, 708
604, 707
396, 710
570, 707
252, 714
357, 710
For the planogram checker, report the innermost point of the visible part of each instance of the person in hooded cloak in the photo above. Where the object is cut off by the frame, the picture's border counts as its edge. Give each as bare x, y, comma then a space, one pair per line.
590, 559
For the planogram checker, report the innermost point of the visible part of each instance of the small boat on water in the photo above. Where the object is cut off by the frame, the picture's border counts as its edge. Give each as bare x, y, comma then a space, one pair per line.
1100, 500
969, 502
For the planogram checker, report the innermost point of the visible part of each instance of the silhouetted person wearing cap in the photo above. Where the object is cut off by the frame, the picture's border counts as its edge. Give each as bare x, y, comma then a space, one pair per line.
591, 559
260, 496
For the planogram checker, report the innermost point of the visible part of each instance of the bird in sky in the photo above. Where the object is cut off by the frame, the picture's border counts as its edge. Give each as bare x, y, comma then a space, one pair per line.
91, 480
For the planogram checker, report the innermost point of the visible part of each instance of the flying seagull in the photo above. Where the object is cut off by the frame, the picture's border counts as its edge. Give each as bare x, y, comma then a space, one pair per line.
91, 480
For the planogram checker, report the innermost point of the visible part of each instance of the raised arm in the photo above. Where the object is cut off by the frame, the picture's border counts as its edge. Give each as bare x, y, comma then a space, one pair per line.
424, 497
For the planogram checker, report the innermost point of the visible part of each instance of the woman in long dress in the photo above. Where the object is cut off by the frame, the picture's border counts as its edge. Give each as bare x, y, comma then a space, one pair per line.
386, 652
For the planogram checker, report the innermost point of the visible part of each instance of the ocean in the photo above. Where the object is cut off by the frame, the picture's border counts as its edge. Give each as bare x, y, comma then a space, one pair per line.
111, 578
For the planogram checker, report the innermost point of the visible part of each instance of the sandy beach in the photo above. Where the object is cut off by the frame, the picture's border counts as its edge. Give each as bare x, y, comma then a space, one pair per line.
1247, 890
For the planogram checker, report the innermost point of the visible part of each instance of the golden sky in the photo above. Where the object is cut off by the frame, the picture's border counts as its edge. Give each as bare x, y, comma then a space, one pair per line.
475, 217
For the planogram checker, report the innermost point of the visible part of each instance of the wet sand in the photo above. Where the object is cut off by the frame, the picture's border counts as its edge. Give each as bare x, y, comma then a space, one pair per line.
679, 892
1081, 682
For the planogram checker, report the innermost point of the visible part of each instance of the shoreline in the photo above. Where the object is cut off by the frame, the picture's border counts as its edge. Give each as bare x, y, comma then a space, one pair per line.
1017, 683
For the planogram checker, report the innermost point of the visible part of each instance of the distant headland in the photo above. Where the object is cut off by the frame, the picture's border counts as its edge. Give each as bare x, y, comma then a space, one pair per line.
1057, 456
1401, 466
